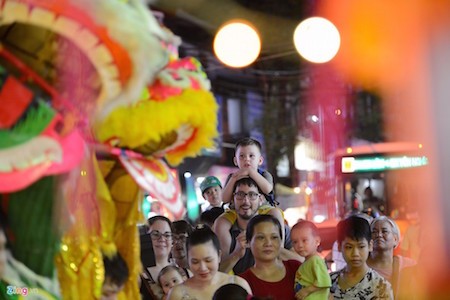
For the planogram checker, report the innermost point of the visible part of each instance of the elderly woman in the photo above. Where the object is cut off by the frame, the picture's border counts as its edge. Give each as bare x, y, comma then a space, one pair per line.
160, 230
386, 237
203, 257
269, 276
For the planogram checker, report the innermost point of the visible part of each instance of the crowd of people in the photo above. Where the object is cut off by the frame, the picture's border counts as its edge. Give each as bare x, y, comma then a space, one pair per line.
242, 248
246, 250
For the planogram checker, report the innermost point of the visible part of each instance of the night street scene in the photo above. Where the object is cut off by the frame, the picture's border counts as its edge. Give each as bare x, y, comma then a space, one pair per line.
224, 149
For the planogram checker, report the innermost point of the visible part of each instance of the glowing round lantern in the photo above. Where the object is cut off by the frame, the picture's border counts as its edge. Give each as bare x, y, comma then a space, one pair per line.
317, 39
237, 44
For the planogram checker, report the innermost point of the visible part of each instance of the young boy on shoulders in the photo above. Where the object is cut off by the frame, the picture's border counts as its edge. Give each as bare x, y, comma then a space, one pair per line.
312, 280
357, 280
247, 158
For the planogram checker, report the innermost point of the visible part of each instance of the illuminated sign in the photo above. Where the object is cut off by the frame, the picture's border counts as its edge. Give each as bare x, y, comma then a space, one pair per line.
367, 164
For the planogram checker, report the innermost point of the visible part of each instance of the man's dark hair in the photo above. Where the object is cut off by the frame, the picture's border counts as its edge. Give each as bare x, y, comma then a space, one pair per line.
355, 228
248, 182
181, 226
116, 269
248, 142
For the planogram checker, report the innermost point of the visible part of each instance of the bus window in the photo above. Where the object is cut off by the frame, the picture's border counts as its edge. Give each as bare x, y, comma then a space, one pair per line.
378, 178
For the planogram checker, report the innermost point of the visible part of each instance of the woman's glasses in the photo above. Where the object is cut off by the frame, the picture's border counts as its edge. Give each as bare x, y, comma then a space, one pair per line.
242, 195
156, 235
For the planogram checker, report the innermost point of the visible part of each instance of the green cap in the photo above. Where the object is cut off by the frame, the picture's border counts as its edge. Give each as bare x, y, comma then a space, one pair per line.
209, 181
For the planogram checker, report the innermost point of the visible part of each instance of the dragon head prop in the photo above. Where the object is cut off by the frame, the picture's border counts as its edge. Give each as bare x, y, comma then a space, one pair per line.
77, 73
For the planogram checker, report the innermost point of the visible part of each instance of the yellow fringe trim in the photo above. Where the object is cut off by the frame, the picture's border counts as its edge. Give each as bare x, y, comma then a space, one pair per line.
148, 121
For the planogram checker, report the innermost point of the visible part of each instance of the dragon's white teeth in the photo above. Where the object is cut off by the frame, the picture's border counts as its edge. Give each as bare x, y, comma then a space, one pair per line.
42, 17
14, 11
20, 165
112, 87
103, 60
66, 27
85, 39
38, 159
53, 156
38, 151
99, 55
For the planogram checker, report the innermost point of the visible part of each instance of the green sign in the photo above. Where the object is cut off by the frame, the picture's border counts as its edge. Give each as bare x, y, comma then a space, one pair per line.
366, 164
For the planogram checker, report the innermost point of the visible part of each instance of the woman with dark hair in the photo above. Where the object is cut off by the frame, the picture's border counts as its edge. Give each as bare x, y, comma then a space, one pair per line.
203, 256
160, 230
269, 276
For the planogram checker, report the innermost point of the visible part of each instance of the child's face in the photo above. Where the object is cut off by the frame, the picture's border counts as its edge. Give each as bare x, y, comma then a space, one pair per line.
248, 157
170, 279
213, 195
304, 242
355, 252
110, 290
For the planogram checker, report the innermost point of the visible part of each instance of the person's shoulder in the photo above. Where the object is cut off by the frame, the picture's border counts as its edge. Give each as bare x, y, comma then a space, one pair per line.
265, 173
292, 264
381, 286
375, 276
238, 279
316, 257
335, 274
246, 274
228, 178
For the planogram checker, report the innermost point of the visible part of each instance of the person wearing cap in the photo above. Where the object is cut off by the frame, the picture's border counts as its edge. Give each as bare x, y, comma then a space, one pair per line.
212, 191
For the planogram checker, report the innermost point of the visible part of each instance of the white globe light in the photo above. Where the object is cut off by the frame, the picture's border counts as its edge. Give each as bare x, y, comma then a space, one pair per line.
237, 44
317, 39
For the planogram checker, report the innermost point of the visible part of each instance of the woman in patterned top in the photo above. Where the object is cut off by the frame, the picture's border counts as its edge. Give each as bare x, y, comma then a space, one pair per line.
357, 280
